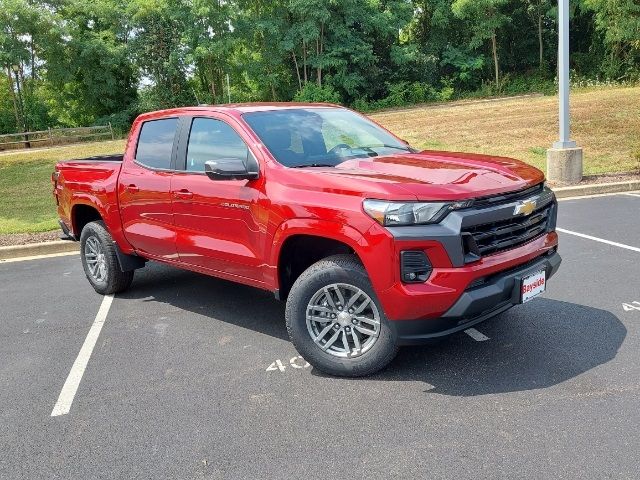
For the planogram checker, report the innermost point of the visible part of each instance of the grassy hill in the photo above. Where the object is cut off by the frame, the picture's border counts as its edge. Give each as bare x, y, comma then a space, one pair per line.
606, 123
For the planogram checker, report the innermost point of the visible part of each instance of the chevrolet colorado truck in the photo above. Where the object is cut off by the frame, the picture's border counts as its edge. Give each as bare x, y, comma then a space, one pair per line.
372, 244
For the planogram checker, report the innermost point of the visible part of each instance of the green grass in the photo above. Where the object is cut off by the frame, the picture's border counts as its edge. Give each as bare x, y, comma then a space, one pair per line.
26, 199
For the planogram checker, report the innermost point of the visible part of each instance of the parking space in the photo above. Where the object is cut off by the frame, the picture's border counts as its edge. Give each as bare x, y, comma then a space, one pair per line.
194, 377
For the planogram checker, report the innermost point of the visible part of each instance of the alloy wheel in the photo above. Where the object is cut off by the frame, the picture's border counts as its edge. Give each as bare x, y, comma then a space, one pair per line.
343, 320
95, 258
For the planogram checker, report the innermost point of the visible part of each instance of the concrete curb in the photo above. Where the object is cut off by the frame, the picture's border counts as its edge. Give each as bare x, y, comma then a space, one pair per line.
597, 189
42, 248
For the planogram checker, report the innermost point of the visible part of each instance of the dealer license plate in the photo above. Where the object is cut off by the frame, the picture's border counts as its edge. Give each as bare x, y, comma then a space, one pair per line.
533, 285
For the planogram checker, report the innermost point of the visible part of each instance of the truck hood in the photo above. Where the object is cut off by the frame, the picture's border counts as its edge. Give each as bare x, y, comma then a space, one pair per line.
431, 175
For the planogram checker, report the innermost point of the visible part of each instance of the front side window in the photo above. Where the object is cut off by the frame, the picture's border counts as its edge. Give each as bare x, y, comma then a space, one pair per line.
155, 143
212, 139
321, 136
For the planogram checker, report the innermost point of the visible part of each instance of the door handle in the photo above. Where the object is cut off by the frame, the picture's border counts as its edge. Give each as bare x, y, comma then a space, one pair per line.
183, 194
132, 188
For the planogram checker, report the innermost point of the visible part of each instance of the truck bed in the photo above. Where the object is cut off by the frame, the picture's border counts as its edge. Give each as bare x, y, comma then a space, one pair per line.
90, 181
115, 157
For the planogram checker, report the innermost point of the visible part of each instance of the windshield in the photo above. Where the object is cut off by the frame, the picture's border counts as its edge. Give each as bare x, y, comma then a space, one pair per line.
319, 137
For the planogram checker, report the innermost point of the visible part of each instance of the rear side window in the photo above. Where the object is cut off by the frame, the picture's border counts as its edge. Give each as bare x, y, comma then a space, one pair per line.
155, 143
212, 139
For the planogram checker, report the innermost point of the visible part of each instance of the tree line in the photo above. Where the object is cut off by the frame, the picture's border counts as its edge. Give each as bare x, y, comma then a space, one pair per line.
75, 63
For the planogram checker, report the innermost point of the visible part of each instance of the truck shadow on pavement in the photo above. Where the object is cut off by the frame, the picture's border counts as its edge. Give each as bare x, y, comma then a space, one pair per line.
217, 299
532, 346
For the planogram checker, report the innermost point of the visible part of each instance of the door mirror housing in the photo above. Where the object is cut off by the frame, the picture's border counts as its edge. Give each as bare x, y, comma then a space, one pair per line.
229, 169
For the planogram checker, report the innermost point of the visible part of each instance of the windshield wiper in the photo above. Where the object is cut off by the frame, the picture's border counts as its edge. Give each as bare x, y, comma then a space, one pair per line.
407, 149
314, 165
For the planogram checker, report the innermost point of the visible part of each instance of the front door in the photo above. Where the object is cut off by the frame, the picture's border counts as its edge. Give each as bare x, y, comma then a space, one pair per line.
220, 224
144, 190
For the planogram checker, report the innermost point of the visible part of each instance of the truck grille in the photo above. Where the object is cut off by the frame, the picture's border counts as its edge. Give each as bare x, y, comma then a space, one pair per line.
508, 197
498, 236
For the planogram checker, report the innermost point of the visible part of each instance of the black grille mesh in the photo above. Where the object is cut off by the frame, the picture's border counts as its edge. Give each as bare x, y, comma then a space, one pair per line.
505, 234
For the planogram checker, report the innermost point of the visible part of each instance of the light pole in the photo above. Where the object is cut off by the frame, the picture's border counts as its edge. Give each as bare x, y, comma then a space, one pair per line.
564, 159
16, 70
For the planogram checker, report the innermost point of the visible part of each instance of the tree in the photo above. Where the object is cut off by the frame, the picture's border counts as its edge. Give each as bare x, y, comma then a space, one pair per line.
264, 60
619, 21
158, 49
19, 22
539, 10
89, 75
485, 18
211, 43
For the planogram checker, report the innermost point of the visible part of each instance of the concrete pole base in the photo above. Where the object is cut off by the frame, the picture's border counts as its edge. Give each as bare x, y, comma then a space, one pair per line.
564, 165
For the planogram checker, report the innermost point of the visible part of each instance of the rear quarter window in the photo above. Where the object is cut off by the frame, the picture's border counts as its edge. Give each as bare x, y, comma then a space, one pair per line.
155, 143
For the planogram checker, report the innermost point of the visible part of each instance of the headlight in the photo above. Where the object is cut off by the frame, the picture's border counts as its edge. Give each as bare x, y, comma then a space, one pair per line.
391, 214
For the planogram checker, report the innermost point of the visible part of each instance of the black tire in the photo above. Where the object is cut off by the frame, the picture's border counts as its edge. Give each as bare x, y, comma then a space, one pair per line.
114, 280
337, 269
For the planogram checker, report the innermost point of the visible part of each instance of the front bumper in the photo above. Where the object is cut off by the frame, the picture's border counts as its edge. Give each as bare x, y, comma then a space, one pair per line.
494, 295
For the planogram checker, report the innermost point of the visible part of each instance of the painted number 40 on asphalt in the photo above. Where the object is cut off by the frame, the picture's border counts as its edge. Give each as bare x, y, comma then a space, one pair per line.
296, 362
628, 307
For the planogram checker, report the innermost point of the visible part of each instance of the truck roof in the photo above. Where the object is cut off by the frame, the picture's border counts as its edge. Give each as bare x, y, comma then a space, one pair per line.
238, 108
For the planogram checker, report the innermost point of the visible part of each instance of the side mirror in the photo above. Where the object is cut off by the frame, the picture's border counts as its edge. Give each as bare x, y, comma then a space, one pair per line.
229, 169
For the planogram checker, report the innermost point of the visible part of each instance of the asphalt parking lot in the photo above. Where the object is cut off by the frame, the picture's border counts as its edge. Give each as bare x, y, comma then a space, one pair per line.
193, 377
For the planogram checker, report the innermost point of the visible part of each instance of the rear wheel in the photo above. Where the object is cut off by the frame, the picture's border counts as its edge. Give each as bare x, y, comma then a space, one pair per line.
335, 321
100, 261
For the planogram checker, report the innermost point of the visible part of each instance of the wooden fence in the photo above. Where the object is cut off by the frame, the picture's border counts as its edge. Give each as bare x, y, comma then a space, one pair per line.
54, 136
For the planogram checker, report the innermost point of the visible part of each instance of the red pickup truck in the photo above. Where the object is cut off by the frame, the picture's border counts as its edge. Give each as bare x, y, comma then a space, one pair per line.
371, 243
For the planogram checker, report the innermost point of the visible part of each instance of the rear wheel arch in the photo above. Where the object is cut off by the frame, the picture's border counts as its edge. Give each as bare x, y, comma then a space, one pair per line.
81, 215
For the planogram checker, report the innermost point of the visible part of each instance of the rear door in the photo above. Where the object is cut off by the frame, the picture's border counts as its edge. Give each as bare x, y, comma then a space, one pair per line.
220, 224
144, 189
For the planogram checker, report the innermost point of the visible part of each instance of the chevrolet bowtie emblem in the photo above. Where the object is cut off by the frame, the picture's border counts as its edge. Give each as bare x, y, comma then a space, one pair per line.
525, 207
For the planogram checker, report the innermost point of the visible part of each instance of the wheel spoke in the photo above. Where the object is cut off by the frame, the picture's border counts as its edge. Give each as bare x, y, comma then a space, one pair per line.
368, 320
353, 299
320, 308
329, 298
323, 333
345, 342
339, 294
316, 318
366, 331
93, 268
356, 340
362, 305
331, 341
92, 246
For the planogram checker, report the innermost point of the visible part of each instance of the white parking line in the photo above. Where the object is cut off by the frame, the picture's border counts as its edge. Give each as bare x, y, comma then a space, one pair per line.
601, 240
37, 257
68, 392
587, 197
633, 194
476, 335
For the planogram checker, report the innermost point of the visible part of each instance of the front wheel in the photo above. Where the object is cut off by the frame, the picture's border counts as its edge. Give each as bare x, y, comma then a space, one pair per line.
335, 320
100, 261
